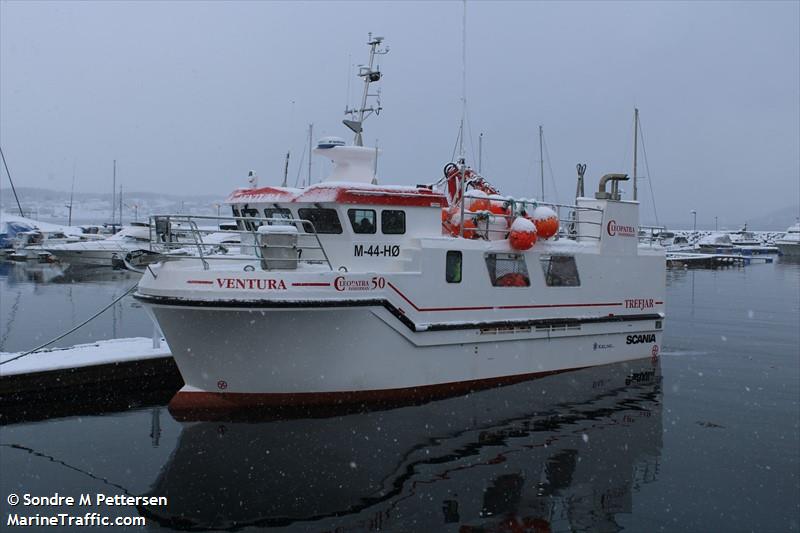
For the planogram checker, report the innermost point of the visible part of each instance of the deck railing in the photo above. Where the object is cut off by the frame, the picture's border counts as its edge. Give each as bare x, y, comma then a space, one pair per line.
568, 218
216, 238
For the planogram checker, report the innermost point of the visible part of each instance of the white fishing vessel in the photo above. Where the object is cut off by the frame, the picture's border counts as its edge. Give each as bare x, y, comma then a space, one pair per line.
102, 252
351, 292
789, 244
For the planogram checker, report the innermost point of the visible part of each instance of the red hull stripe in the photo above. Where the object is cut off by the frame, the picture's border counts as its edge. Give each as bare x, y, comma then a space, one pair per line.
489, 308
190, 406
200, 282
311, 284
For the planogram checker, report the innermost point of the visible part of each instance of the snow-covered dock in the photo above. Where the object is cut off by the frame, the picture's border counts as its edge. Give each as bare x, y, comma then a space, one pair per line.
125, 370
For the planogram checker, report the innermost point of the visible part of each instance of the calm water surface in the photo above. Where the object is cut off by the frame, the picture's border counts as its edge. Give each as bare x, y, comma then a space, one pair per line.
706, 439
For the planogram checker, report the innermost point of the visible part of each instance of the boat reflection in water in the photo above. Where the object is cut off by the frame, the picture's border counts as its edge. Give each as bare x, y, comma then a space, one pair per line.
561, 452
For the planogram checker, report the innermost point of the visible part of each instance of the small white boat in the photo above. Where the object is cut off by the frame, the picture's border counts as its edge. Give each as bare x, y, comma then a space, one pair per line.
29, 245
743, 237
103, 252
715, 243
789, 244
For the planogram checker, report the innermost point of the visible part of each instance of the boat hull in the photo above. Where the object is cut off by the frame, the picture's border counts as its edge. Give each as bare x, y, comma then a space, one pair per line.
87, 257
789, 249
239, 357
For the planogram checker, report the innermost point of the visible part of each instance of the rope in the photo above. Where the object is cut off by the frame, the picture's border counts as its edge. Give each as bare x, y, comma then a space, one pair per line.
48, 343
550, 167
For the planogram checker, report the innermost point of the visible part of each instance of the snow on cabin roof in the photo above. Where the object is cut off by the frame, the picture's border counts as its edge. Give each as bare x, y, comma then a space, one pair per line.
344, 193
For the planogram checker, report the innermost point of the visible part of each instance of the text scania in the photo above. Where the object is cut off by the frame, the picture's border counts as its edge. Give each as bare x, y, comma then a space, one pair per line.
376, 250
639, 339
639, 303
251, 284
617, 229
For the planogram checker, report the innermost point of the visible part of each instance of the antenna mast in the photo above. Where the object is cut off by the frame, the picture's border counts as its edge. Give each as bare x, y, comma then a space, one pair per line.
463, 79
286, 170
635, 150
370, 76
480, 153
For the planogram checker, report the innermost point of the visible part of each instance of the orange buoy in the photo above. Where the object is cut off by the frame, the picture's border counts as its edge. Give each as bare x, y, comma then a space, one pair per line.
523, 234
497, 205
478, 201
546, 221
469, 229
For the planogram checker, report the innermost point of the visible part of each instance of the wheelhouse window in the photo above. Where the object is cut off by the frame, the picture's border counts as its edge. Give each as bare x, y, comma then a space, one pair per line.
362, 220
560, 271
324, 220
452, 270
507, 270
279, 213
251, 212
393, 222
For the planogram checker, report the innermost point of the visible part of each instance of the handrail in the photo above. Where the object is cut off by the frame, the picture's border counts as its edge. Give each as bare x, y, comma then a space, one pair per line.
567, 225
174, 225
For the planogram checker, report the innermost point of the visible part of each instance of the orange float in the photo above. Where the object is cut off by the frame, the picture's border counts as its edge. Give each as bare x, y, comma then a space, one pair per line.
523, 234
546, 221
469, 229
478, 201
497, 205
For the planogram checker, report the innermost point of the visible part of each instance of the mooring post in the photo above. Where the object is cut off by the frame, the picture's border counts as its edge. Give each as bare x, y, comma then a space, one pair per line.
156, 336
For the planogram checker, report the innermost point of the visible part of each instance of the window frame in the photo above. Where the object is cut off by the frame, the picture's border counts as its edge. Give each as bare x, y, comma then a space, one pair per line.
301, 216
354, 226
273, 210
383, 221
447, 274
518, 258
547, 263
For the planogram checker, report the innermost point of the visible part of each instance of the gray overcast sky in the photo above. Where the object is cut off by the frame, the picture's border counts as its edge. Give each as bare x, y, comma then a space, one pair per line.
188, 96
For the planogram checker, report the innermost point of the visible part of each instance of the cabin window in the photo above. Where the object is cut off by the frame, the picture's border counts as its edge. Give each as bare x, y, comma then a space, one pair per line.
393, 222
507, 270
251, 212
324, 220
560, 271
452, 269
362, 220
278, 212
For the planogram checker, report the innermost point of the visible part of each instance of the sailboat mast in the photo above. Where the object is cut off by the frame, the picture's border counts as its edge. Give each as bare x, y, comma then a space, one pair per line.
113, 195
71, 196
635, 151
310, 137
14, 190
541, 160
